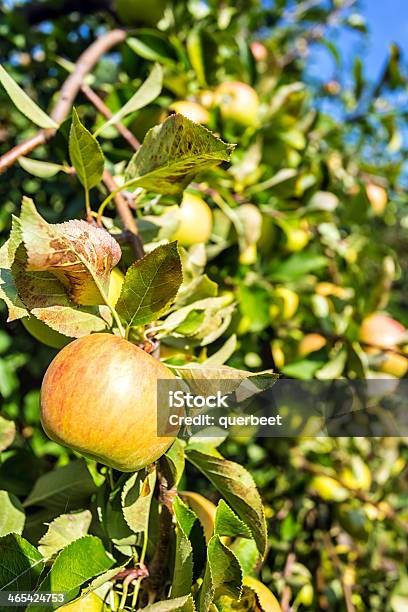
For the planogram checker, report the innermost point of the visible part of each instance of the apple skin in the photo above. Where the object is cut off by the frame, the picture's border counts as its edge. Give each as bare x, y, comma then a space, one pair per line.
193, 111
115, 286
99, 398
382, 331
389, 362
259, 51
195, 221
311, 343
134, 12
238, 102
377, 197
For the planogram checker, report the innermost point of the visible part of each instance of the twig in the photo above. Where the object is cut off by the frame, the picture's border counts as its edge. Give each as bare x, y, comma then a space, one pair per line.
126, 216
348, 594
104, 110
68, 93
287, 592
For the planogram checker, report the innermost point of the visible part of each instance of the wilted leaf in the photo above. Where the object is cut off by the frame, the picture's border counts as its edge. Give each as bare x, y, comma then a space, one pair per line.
63, 530
147, 92
24, 104
85, 153
79, 254
150, 285
80, 561
21, 564
236, 484
7, 433
172, 153
12, 517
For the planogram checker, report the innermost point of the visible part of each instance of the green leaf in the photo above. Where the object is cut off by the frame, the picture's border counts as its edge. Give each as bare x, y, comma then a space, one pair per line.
63, 530
65, 488
247, 554
136, 499
181, 604
77, 563
85, 154
228, 524
150, 285
223, 574
237, 486
42, 169
7, 433
152, 45
147, 92
8, 289
12, 517
175, 460
172, 153
296, 266
24, 104
183, 563
79, 254
21, 564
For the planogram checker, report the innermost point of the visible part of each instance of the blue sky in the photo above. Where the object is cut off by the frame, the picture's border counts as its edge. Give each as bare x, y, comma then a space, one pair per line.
387, 21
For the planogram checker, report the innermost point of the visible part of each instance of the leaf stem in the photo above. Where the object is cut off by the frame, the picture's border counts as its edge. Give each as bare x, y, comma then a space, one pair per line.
112, 194
88, 206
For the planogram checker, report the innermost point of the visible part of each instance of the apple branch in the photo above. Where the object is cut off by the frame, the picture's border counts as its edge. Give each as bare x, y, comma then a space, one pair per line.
68, 93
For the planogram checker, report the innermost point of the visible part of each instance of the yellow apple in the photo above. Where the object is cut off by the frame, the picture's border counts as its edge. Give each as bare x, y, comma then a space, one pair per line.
193, 111
238, 102
195, 221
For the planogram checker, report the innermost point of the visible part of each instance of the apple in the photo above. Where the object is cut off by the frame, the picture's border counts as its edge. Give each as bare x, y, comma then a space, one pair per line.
389, 362
41, 332
382, 331
377, 197
238, 102
289, 302
254, 594
311, 343
195, 221
99, 397
203, 508
296, 239
89, 603
259, 51
134, 12
192, 110
329, 489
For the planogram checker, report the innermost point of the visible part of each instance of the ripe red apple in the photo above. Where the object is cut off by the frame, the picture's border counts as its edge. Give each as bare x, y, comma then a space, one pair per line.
238, 102
382, 331
99, 397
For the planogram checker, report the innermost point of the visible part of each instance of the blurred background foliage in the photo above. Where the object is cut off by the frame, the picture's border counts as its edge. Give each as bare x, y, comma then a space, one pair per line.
309, 237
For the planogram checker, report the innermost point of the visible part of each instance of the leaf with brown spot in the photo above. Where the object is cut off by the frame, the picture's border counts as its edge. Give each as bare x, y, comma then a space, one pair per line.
172, 153
80, 255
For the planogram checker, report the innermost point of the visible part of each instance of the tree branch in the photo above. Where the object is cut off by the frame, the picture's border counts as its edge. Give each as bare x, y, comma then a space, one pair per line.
68, 93
105, 111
